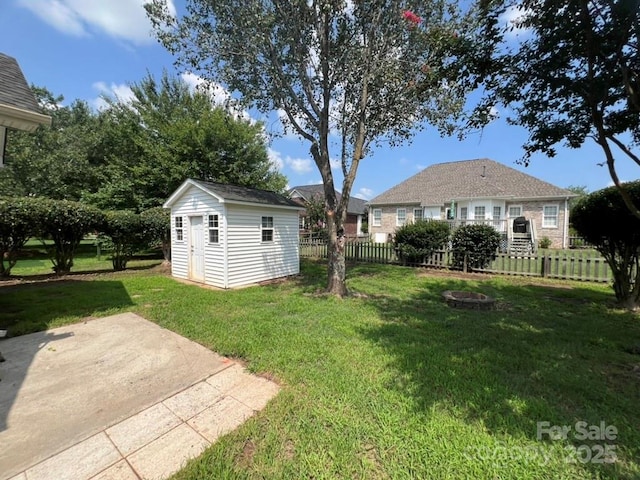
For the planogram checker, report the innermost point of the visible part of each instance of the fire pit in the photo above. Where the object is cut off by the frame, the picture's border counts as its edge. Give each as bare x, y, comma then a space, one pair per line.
469, 300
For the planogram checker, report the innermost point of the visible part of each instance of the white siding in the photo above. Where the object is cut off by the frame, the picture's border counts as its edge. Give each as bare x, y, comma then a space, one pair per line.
249, 259
195, 202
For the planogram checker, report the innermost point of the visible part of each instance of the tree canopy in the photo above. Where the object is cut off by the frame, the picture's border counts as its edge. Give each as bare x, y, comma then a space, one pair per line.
344, 75
167, 133
603, 220
573, 77
55, 161
133, 155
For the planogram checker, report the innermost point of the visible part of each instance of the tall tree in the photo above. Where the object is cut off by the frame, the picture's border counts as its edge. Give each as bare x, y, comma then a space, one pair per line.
575, 77
54, 161
167, 133
346, 74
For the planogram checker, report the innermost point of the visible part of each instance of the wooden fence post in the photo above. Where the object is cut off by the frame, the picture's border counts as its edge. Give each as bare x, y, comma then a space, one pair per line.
546, 266
464, 262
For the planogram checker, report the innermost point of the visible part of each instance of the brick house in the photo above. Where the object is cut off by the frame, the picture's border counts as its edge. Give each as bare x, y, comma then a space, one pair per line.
356, 209
524, 209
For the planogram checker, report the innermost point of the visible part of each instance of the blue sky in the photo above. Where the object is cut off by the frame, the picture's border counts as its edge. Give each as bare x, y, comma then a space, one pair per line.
85, 48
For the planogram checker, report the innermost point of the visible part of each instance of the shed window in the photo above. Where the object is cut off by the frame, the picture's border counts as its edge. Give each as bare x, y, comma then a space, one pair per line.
179, 229
550, 216
214, 236
377, 217
401, 216
267, 229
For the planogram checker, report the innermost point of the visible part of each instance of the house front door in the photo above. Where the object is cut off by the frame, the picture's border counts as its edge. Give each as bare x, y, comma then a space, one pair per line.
196, 249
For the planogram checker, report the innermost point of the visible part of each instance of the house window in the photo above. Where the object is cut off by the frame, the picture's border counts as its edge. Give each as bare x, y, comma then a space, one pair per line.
179, 229
401, 216
377, 217
478, 213
515, 211
550, 216
497, 213
463, 213
417, 214
267, 229
213, 229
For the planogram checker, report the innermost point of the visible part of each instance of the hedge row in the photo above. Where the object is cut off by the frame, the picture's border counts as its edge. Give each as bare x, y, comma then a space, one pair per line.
66, 223
478, 243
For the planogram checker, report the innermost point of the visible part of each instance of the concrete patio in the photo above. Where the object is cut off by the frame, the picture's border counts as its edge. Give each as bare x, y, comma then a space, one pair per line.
116, 398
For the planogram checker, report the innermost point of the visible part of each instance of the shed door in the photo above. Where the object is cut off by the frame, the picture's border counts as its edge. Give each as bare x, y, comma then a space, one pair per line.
196, 249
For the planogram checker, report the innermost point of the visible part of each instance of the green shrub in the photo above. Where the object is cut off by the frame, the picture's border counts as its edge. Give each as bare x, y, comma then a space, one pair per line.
156, 225
125, 232
603, 220
18, 219
544, 243
66, 223
479, 242
415, 241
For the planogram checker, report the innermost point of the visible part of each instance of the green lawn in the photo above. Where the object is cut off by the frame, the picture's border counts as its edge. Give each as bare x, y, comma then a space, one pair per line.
392, 383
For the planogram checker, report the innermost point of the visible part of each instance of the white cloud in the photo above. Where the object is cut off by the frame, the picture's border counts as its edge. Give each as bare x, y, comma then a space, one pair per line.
275, 158
420, 166
335, 163
121, 92
298, 165
364, 193
121, 19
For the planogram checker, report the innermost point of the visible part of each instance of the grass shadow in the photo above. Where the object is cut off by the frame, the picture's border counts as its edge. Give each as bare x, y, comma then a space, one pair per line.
31, 307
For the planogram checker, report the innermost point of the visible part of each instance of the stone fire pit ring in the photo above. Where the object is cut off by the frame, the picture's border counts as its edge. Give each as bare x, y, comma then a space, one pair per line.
468, 300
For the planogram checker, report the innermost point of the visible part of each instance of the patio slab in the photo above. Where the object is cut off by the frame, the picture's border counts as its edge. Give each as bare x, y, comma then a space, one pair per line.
116, 398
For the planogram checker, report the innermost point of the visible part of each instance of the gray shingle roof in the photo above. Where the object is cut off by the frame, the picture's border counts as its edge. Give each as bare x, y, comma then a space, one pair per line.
246, 194
355, 206
467, 179
14, 89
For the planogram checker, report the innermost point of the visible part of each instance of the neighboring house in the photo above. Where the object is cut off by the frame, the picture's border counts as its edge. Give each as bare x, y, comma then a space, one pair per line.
18, 106
229, 236
356, 209
477, 191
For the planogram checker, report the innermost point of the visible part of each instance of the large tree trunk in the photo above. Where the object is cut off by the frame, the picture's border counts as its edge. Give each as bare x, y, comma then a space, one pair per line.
336, 268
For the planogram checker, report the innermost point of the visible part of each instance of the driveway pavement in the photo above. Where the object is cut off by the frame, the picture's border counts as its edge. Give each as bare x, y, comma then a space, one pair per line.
116, 398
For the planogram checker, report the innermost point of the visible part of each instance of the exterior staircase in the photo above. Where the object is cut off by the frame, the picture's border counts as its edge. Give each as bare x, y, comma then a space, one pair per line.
521, 244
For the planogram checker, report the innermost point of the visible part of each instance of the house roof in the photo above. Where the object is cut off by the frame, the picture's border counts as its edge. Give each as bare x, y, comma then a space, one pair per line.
468, 179
18, 106
226, 193
355, 206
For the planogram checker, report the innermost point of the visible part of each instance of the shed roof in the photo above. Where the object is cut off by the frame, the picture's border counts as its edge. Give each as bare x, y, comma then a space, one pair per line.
226, 193
468, 179
356, 206
18, 106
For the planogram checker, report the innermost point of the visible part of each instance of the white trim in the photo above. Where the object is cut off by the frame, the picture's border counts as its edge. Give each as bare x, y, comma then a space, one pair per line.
191, 183
398, 224
225, 246
21, 119
373, 217
263, 228
175, 228
509, 216
557, 207
565, 224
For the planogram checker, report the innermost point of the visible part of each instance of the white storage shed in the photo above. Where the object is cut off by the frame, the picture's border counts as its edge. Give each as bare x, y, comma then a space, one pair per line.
229, 236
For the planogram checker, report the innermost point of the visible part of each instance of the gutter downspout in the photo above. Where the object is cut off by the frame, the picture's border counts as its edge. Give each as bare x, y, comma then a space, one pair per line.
565, 226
